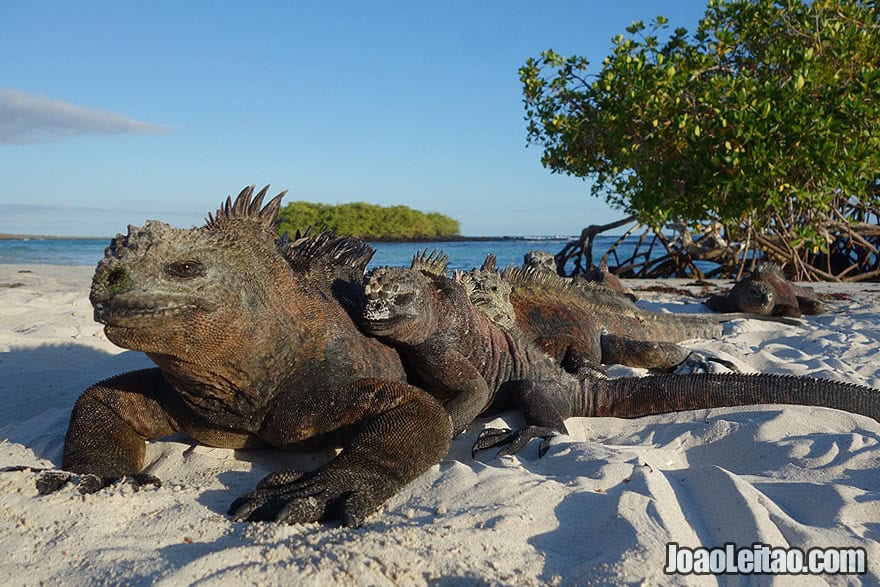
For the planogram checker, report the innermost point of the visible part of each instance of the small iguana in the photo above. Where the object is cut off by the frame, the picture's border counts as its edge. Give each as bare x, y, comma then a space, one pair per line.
766, 292
475, 366
582, 325
252, 349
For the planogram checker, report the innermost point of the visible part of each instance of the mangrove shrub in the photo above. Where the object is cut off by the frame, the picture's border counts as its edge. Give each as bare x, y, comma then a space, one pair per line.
763, 124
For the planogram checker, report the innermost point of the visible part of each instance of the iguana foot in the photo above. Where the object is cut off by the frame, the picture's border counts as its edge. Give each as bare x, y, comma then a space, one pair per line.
589, 371
295, 498
578, 363
697, 362
514, 440
52, 481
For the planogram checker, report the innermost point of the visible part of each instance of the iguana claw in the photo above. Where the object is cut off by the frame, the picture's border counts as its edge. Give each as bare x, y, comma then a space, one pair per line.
697, 362
514, 440
52, 481
295, 498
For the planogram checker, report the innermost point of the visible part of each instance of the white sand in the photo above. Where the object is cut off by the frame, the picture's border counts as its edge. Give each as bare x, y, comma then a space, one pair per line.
599, 507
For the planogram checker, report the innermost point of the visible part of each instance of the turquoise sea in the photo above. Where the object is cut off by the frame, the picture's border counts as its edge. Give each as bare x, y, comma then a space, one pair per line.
462, 254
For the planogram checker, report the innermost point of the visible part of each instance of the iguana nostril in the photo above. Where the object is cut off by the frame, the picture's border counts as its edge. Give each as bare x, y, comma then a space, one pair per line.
116, 280
116, 277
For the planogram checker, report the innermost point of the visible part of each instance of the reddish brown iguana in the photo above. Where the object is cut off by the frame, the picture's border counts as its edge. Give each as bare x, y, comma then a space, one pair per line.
252, 347
475, 366
581, 324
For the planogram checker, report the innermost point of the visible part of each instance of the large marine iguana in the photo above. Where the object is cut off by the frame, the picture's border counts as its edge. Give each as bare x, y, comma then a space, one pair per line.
582, 324
766, 292
252, 348
475, 366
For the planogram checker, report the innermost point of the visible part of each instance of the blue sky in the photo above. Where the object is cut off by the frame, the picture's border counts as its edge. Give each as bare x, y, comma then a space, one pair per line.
115, 112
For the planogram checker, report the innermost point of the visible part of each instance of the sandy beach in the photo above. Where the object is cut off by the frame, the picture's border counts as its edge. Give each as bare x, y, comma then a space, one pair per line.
599, 507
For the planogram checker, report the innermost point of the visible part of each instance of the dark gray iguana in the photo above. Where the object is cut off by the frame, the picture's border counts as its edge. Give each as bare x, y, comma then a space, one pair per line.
252, 348
766, 291
475, 366
582, 324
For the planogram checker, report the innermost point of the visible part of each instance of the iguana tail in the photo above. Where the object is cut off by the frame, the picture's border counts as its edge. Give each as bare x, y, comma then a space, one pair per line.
673, 327
632, 397
728, 316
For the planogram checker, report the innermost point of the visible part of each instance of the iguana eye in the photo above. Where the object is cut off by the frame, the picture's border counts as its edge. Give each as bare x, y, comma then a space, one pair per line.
185, 269
404, 299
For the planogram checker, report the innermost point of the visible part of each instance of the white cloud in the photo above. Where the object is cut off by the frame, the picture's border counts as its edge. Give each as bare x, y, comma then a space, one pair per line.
31, 118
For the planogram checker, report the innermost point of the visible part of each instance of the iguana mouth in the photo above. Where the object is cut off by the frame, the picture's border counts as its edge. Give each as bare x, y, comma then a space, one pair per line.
130, 314
377, 314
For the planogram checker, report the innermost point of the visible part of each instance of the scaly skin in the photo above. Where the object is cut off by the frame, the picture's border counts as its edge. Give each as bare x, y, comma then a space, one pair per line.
459, 354
476, 366
767, 292
583, 325
253, 348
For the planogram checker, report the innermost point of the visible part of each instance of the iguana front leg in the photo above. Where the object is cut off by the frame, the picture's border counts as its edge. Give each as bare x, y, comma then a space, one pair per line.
545, 405
579, 356
456, 377
109, 426
399, 431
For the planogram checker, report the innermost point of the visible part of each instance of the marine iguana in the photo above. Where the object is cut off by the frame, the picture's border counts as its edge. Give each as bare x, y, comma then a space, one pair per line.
252, 348
582, 325
475, 366
544, 261
766, 292
460, 356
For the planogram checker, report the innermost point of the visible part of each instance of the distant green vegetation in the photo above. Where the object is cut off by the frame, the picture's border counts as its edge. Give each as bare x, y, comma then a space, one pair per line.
367, 221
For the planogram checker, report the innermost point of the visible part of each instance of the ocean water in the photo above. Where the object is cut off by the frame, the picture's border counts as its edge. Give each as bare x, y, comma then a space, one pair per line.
462, 254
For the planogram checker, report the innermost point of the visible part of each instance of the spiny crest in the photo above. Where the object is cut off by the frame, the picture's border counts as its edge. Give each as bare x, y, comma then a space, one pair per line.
490, 263
528, 275
466, 280
245, 207
305, 251
767, 269
433, 264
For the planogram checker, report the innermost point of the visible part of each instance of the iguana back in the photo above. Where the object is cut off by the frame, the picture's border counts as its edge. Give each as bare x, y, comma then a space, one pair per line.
583, 324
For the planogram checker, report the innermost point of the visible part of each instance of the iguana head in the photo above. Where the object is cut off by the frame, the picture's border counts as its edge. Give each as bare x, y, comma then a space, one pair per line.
490, 293
165, 289
755, 296
397, 304
540, 261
